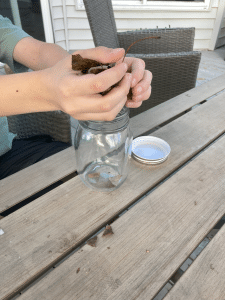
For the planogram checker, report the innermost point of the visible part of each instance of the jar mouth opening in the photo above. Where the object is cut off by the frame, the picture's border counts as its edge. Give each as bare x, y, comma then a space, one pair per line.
121, 121
124, 111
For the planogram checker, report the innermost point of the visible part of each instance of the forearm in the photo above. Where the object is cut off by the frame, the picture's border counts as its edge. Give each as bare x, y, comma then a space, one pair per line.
50, 54
24, 93
38, 55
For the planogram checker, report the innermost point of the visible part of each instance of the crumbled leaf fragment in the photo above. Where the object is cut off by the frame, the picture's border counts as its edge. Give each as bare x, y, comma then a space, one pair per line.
78, 270
92, 241
108, 231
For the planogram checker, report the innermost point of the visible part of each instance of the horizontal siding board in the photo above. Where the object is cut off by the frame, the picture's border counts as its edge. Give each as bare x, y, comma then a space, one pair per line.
70, 2
201, 44
162, 23
62, 44
60, 2
77, 45
82, 34
58, 24
57, 12
72, 13
56, 2
60, 35
124, 24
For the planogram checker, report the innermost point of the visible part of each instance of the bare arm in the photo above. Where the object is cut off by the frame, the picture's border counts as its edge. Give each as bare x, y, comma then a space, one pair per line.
26, 92
55, 86
38, 55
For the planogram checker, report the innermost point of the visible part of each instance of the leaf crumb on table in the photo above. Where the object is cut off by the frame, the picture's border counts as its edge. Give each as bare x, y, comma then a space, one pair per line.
78, 270
92, 241
108, 231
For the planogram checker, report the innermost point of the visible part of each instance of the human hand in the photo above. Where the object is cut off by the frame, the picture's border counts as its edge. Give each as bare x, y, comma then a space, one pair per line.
79, 96
140, 83
141, 79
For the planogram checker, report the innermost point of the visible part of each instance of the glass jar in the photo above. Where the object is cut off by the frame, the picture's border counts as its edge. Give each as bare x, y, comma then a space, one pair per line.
102, 152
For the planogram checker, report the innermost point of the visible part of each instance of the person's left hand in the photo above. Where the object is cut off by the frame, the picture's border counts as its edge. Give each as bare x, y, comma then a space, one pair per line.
141, 81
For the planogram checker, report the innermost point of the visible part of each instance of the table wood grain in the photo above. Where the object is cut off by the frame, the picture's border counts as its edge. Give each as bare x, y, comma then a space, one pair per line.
41, 233
150, 242
205, 279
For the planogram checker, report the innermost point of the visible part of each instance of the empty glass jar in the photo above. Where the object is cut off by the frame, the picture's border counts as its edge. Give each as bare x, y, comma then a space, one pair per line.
102, 151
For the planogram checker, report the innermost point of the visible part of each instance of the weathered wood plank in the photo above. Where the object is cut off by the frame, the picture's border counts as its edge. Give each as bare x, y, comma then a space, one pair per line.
205, 279
44, 173
41, 233
47, 172
168, 223
171, 108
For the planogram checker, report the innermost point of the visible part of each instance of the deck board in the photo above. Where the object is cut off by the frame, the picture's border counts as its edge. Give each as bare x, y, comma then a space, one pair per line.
205, 279
150, 242
41, 233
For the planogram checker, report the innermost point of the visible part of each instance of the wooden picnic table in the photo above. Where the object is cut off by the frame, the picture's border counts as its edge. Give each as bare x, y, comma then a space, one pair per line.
158, 216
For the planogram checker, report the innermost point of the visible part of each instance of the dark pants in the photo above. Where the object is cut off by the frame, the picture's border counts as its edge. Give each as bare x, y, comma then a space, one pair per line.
26, 152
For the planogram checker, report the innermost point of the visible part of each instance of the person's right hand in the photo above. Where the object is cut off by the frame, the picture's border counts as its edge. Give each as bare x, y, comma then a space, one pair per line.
79, 96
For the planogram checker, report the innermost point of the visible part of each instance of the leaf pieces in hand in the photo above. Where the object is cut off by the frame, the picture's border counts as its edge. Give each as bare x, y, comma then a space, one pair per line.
92, 241
85, 64
108, 231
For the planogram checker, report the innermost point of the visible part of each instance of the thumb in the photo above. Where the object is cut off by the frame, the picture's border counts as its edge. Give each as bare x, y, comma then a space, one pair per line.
102, 54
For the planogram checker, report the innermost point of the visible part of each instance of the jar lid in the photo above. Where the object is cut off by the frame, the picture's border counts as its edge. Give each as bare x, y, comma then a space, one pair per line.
150, 150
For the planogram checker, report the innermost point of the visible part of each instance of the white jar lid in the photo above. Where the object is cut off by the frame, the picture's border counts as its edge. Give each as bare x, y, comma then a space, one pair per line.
150, 150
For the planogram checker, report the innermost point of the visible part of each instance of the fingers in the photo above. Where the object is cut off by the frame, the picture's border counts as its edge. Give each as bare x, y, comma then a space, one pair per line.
94, 84
138, 100
109, 116
105, 107
143, 85
137, 68
102, 54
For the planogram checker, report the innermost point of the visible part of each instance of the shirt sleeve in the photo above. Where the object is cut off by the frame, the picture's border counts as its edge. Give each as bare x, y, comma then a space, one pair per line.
10, 35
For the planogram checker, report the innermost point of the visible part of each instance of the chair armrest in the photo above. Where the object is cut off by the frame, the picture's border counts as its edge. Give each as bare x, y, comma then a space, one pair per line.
172, 40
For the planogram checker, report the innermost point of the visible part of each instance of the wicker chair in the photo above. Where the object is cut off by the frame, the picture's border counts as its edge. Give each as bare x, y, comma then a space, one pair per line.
56, 124
171, 58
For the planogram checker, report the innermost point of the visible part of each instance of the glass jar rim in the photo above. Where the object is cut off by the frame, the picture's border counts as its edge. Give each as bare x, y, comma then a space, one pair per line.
121, 121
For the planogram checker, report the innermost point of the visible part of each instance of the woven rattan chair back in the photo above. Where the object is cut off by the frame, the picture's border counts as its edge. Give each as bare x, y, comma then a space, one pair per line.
102, 23
55, 123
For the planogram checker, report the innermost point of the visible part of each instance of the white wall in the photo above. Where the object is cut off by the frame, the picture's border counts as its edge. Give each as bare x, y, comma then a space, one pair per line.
72, 31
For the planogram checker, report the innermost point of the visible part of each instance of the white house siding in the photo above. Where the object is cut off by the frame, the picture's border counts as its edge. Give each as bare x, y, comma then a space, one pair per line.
72, 31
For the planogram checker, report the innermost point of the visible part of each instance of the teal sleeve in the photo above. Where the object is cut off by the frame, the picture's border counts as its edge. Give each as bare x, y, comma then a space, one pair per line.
10, 35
